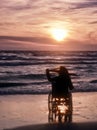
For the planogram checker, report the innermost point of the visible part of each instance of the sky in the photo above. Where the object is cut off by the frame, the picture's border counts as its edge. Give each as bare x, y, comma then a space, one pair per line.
26, 24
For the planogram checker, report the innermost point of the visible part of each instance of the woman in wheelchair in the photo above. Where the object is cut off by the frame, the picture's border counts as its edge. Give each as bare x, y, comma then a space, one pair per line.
60, 100
61, 83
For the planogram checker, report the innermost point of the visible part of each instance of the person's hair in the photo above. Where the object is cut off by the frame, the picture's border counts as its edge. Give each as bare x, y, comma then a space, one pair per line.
63, 70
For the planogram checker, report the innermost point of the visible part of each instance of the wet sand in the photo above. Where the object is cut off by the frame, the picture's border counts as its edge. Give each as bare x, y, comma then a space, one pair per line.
31, 111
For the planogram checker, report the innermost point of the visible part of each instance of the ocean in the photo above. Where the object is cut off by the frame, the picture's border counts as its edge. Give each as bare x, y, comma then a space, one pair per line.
23, 72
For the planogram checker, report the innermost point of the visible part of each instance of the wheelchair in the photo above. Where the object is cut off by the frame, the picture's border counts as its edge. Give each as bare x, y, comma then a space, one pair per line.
60, 108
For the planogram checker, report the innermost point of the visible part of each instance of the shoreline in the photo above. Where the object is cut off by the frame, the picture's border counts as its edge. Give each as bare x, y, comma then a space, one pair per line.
39, 94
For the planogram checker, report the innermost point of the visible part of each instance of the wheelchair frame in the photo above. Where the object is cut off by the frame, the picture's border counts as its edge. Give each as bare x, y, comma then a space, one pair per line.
60, 108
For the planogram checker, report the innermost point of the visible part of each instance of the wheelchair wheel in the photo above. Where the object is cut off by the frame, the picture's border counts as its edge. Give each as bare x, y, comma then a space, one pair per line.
50, 102
60, 108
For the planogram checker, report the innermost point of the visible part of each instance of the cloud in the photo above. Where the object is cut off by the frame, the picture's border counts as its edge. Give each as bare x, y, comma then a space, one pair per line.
36, 43
7, 23
93, 36
27, 39
93, 22
95, 12
87, 4
36, 17
19, 5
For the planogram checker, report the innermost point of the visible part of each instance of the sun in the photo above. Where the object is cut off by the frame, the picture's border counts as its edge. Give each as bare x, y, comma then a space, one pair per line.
59, 34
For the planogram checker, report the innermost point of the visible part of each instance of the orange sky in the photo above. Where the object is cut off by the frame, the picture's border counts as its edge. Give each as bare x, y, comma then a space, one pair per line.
26, 24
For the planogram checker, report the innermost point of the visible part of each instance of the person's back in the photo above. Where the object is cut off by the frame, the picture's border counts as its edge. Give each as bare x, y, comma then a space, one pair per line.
61, 83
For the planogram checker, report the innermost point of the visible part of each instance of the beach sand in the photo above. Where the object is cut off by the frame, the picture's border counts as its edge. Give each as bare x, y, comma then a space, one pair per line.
31, 112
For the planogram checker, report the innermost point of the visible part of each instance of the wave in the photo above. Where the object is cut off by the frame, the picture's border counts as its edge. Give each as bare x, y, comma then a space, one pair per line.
23, 72
46, 63
32, 76
15, 84
93, 81
42, 87
23, 77
3, 85
27, 92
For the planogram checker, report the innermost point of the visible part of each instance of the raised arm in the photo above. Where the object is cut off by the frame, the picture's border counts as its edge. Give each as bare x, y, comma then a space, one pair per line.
48, 75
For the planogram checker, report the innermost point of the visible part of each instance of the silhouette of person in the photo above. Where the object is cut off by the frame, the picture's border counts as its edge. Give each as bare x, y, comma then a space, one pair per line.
61, 84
